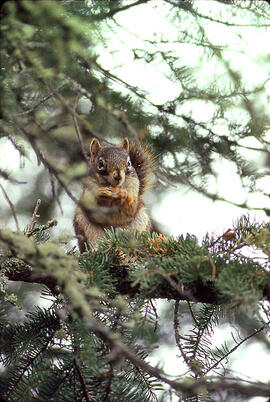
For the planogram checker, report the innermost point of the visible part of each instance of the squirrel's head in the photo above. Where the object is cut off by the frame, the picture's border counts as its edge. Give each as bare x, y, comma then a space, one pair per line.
111, 162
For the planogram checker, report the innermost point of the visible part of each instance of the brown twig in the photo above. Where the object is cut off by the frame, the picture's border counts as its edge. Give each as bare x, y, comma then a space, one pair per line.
192, 314
114, 11
12, 207
6, 176
179, 289
109, 386
31, 226
156, 314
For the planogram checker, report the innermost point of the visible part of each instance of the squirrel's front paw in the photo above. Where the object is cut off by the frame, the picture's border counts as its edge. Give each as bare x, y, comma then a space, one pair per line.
109, 196
105, 192
113, 192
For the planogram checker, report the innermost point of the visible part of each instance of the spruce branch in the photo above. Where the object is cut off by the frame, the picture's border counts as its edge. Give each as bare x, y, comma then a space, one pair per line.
146, 382
42, 228
238, 344
41, 101
86, 395
66, 275
187, 387
116, 10
177, 336
62, 380
187, 277
28, 363
192, 314
45, 263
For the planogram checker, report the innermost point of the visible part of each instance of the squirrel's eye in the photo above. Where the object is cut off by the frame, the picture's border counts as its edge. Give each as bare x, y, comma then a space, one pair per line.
100, 164
129, 163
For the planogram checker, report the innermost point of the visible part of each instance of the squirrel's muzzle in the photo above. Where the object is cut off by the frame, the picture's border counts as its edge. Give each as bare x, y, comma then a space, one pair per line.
117, 177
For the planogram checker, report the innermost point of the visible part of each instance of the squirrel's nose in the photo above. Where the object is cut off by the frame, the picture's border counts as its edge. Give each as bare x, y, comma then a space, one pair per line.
118, 176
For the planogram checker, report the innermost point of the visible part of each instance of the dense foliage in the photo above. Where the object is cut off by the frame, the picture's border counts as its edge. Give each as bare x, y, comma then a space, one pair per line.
103, 320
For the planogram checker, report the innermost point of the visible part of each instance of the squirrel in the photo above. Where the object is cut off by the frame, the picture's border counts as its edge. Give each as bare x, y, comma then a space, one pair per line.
119, 176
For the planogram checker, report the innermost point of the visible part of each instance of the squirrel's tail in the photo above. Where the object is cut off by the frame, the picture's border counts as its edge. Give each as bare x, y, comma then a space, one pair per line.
142, 160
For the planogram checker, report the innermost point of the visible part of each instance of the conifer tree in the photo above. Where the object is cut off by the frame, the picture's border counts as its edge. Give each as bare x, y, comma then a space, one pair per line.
95, 338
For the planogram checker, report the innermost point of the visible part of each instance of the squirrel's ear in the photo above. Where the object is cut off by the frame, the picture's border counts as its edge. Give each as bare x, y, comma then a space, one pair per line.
94, 148
125, 144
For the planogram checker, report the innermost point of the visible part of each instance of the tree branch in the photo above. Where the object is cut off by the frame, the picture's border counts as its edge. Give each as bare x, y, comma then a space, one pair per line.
51, 262
114, 11
38, 267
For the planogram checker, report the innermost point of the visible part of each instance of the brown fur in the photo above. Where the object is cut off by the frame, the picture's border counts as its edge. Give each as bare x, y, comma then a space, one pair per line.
112, 195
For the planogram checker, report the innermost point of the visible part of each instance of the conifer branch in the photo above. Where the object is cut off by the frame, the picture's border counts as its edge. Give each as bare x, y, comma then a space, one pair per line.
29, 363
79, 304
41, 101
235, 347
191, 387
116, 10
167, 284
192, 314
86, 395
19, 270
177, 335
60, 383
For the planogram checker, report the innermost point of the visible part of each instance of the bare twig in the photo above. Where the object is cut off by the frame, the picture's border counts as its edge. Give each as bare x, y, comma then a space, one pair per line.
18, 147
12, 207
109, 386
31, 226
6, 176
84, 122
156, 314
